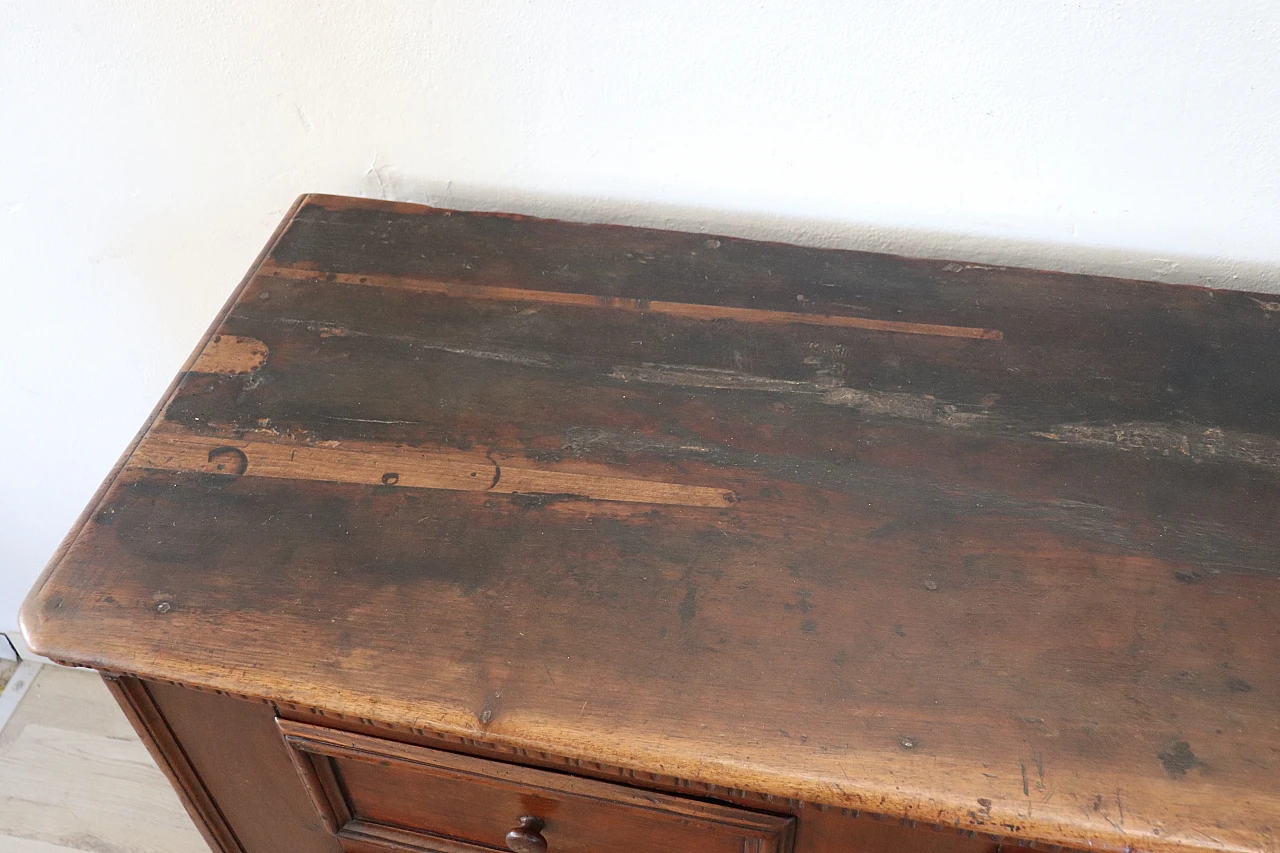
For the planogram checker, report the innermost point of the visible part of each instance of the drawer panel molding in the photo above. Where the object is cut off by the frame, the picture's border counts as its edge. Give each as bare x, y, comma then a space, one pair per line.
379, 795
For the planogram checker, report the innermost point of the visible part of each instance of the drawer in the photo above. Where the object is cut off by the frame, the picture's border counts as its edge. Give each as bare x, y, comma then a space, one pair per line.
378, 795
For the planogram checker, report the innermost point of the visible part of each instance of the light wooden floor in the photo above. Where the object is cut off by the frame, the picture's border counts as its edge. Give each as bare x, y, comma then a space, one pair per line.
74, 776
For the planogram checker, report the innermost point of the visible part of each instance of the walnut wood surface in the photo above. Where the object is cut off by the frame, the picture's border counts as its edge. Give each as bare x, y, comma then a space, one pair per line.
975, 546
149, 722
230, 766
365, 786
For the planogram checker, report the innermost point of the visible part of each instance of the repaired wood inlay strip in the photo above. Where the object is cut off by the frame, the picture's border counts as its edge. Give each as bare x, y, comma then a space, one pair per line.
685, 310
403, 467
231, 354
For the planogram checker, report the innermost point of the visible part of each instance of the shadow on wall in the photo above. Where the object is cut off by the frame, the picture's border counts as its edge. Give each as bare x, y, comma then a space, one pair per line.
388, 182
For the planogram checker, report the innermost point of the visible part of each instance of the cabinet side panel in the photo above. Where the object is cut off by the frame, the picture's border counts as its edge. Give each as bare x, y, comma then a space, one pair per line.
234, 750
150, 724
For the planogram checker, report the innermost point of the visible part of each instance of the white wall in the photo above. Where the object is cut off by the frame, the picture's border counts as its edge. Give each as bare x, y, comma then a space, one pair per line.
147, 150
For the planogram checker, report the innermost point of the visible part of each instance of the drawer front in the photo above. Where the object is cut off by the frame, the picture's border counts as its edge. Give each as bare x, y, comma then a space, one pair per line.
378, 795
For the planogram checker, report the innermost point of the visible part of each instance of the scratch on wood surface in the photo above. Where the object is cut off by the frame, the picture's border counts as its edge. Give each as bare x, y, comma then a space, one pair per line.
331, 330
374, 464
1198, 443
365, 420
919, 407
690, 376
231, 354
687, 310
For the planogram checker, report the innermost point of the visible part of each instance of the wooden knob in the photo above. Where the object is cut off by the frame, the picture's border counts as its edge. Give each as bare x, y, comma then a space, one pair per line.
527, 838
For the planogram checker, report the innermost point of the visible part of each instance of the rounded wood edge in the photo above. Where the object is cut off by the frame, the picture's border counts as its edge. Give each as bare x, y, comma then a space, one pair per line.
29, 621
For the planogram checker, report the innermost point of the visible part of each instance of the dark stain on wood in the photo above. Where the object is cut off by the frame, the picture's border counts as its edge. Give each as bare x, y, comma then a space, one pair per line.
1178, 758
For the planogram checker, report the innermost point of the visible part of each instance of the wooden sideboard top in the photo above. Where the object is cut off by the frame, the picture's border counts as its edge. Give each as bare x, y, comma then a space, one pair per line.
978, 546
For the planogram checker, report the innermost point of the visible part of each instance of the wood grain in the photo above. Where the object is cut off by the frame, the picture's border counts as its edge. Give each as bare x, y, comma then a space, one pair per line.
231, 354
234, 747
644, 306
153, 729
421, 799
1021, 585
402, 467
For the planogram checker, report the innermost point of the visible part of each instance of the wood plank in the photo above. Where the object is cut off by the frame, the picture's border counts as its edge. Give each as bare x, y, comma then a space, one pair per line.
401, 467
643, 306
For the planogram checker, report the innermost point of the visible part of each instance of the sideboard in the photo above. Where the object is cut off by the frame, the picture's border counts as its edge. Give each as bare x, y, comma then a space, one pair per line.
468, 532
